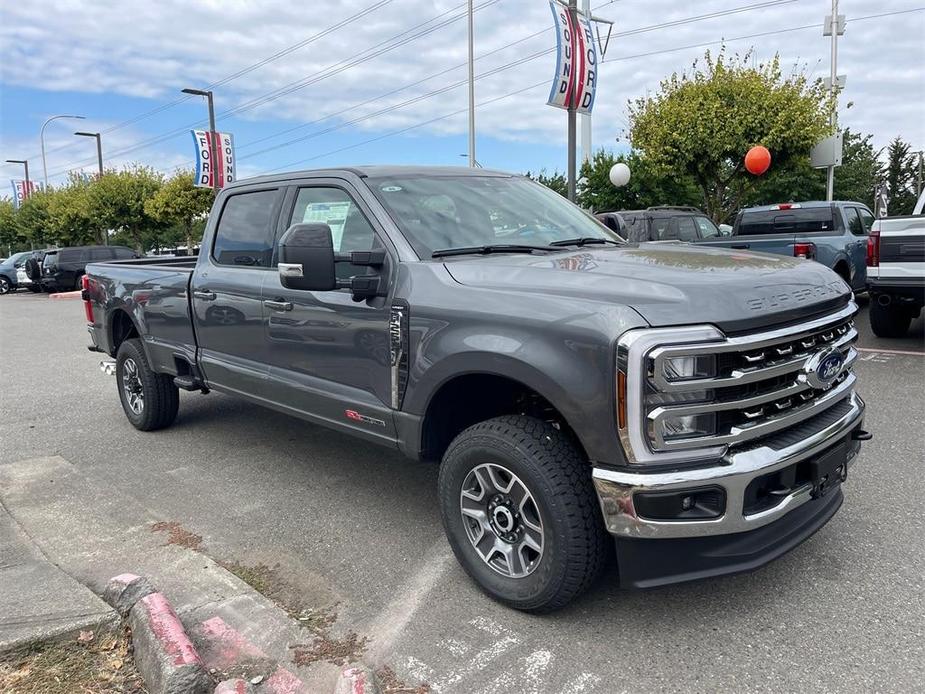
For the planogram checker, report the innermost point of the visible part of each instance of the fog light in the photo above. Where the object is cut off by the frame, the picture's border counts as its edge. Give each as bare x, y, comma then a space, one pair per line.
686, 504
687, 368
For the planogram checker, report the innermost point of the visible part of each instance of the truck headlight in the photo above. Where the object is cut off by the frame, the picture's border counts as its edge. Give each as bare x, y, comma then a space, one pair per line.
688, 368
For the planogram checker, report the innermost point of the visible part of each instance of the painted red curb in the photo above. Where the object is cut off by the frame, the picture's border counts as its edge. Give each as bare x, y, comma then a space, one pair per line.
353, 680
65, 295
169, 630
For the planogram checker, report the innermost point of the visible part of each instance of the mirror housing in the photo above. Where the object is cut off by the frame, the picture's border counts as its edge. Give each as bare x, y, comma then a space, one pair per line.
306, 258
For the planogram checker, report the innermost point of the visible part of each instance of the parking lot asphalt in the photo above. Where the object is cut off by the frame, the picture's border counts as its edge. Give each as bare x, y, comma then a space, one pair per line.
356, 525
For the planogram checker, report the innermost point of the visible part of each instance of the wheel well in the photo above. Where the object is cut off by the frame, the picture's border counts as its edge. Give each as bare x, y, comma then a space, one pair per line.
467, 400
122, 329
843, 271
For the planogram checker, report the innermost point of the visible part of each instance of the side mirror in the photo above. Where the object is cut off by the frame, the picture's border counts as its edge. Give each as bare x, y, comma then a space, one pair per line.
306, 258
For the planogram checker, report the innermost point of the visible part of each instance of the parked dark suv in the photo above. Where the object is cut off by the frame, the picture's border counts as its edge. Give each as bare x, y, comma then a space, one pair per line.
63, 268
665, 223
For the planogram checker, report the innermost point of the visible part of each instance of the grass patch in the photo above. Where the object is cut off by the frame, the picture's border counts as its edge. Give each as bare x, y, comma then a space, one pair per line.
90, 663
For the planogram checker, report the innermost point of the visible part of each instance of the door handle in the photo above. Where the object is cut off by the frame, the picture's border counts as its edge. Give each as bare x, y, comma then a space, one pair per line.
278, 305
739, 245
204, 294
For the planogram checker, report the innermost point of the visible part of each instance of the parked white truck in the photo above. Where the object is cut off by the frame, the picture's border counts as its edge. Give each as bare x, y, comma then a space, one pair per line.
896, 271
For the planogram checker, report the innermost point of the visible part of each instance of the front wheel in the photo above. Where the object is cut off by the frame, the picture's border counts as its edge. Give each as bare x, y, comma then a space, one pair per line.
4, 285
520, 512
150, 399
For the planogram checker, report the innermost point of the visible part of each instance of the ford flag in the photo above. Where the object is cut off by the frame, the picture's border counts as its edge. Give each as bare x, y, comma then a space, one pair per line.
21, 191
221, 164
576, 62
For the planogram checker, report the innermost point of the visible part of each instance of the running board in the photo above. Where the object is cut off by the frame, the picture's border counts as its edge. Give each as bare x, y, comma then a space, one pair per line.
190, 383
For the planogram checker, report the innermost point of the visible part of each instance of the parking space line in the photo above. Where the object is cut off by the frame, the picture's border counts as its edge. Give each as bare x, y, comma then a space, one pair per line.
891, 351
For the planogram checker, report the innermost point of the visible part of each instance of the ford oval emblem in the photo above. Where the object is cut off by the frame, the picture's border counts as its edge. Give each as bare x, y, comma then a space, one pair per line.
821, 370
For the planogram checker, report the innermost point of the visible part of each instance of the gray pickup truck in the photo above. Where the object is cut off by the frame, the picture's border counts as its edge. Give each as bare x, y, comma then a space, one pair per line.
695, 403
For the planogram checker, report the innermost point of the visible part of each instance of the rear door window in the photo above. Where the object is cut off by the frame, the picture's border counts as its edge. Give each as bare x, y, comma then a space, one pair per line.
855, 225
245, 234
124, 253
867, 219
98, 254
793, 221
70, 255
687, 230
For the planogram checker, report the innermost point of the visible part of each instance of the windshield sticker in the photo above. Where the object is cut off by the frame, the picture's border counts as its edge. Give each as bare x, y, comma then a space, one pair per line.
390, 189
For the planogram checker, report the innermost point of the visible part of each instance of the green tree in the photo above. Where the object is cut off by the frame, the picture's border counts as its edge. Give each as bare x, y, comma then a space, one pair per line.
701, 124
10, 240
117, 202
180, 204
32, 219
900, 176
555, 181
70, 216
647, 187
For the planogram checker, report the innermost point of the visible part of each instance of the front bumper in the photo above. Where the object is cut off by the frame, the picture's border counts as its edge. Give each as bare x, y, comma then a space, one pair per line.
616, 488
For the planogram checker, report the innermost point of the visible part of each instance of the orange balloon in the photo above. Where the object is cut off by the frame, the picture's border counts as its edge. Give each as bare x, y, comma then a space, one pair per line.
758, 160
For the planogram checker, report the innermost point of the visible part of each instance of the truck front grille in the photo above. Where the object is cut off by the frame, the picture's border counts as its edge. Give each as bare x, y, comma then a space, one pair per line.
757, 385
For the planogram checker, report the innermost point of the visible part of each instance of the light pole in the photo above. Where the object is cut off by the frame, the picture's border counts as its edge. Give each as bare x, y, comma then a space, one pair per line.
213, 145
471, 92
42, 138
99, 148
27, 188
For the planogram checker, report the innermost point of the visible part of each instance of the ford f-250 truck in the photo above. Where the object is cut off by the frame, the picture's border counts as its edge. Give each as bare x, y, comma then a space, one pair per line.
697, 404
896, 273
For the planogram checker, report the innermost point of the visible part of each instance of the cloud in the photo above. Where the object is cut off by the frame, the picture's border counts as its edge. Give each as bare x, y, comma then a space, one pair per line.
151, 50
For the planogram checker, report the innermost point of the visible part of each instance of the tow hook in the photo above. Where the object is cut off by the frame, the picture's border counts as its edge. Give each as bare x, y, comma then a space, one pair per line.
108, 366
861, 435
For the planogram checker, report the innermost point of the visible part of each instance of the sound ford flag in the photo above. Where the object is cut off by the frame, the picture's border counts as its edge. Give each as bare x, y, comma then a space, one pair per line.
575, 82
21, 191
221, 164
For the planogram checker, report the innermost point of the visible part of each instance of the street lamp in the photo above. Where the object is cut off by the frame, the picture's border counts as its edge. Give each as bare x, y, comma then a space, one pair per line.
213, 148
99, 148
27, 188
42, 138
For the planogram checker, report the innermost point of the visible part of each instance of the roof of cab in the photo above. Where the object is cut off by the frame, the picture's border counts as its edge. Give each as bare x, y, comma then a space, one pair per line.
372, 172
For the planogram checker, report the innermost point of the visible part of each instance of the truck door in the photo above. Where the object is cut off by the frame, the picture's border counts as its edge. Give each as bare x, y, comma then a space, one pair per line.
227, 291
859, 221
328, 354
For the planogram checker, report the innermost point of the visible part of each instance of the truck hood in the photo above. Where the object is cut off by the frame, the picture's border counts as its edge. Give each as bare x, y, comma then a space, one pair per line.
668, 283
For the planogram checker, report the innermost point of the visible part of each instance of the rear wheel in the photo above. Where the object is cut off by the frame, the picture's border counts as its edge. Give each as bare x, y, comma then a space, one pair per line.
891, 320
4, 285
78, 282
150, 400
520, 512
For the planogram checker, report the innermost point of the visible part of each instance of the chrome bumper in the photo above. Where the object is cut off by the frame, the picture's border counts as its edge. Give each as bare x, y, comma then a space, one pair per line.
615, 489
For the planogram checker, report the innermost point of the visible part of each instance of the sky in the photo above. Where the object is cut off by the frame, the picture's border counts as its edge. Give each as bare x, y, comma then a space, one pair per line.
306, 85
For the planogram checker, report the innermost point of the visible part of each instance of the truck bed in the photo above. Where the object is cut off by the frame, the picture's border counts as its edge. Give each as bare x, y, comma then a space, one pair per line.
151, 296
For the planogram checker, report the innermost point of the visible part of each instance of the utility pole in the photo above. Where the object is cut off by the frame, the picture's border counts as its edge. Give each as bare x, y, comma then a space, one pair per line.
213, 135
42, 138
586, 117
471, 91
834, 29
572, 115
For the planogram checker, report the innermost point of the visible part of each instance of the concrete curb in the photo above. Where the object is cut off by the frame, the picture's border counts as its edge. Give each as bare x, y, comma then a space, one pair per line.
165, 657
65, 295
356, 679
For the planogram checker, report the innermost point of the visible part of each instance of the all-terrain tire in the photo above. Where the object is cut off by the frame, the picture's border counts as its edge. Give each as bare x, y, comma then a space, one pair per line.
890, 320
558, 477
161, 398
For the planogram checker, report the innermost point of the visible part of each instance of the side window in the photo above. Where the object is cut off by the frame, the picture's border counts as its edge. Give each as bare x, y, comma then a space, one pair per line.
350, 229
97, 254
687, 230
244, 236
662, 230
707, 228
867, 219
124, 253
855, 225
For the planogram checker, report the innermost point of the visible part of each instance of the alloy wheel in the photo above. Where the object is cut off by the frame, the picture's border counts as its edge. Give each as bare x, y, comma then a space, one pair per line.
132, 387
502, 520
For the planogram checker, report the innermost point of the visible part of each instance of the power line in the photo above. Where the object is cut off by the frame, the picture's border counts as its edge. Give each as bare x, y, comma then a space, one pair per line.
546, 82
374, 51
245, 70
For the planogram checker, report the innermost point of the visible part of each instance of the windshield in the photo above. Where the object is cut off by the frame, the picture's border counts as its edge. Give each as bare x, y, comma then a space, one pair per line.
17, 259
443, 212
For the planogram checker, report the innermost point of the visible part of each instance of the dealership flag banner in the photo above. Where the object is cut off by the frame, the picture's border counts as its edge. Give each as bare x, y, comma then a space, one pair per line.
575, 82
224, 165
21, 191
